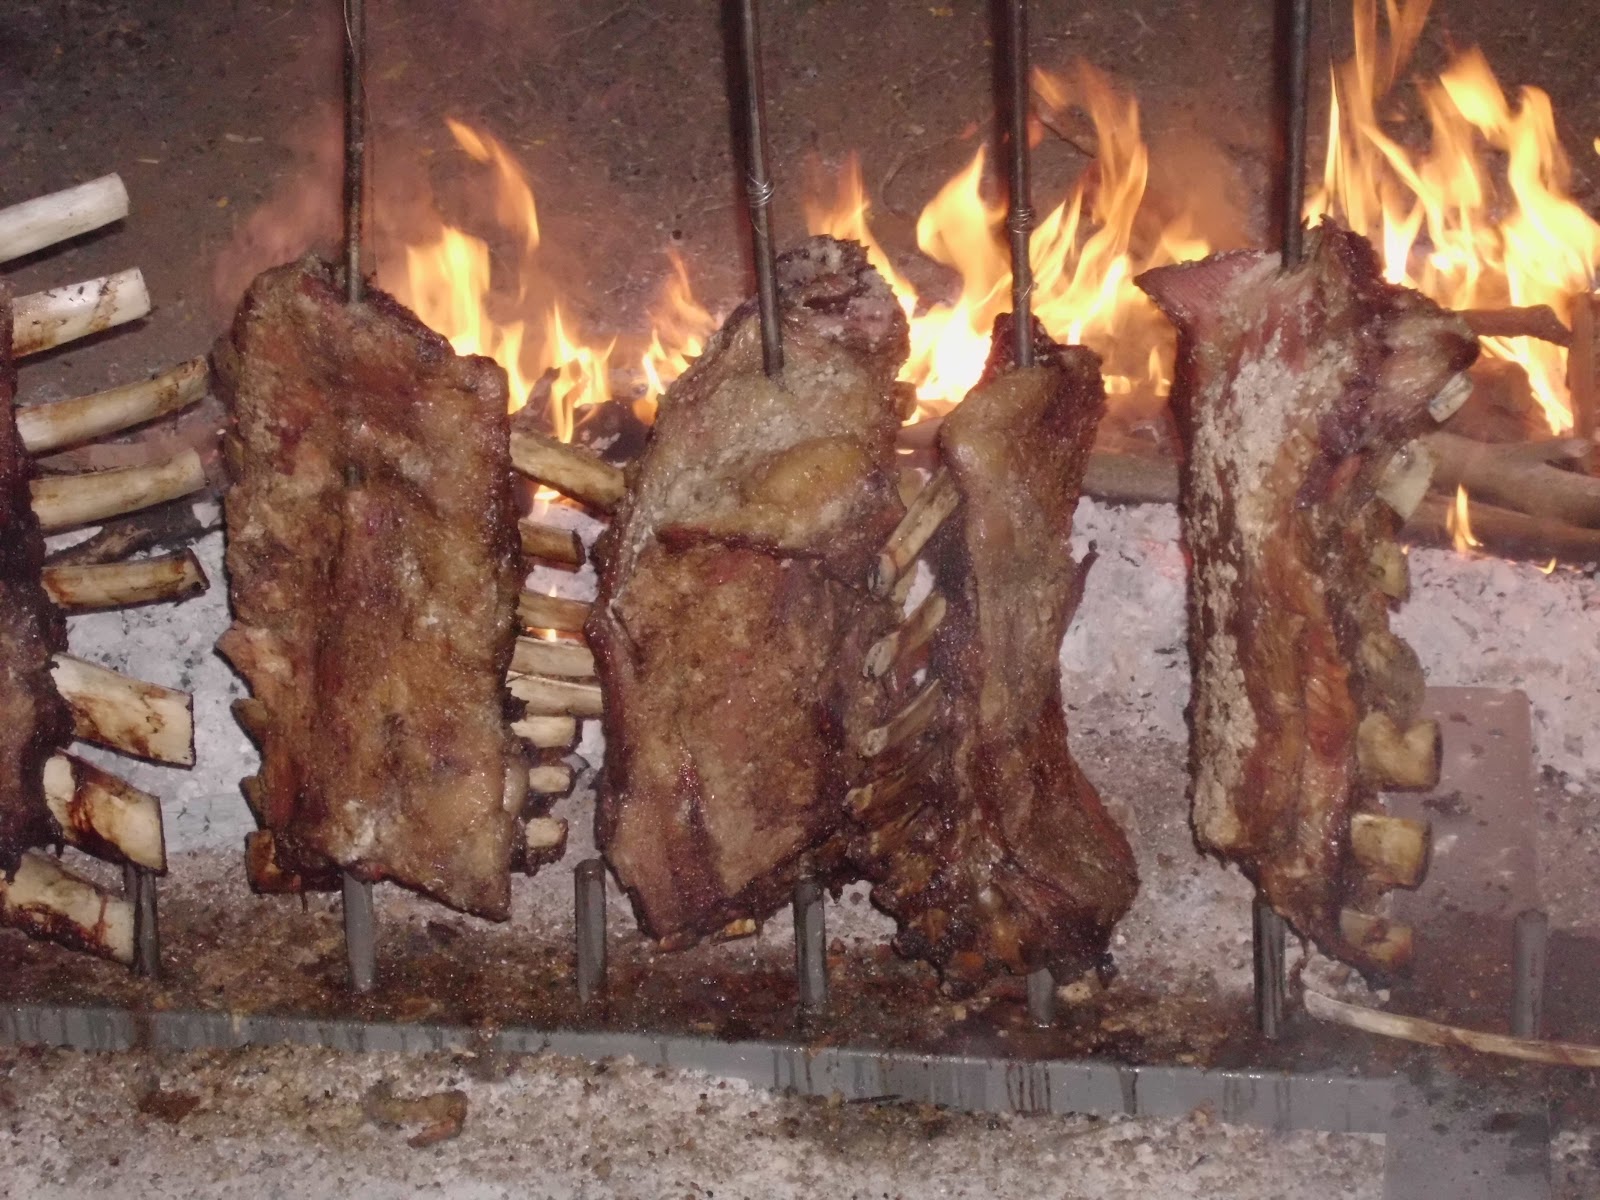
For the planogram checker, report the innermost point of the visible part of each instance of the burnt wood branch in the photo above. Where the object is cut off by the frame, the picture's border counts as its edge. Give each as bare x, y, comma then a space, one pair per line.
1450, 1037
570, 470
1506, 534
1300, 395
121, 585
1519, 475
1535, 321
1583, 373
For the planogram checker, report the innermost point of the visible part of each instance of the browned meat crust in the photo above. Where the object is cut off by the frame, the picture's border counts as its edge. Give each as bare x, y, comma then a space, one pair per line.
372, 561
33, 720
1294, 392
732, 585
1012, 863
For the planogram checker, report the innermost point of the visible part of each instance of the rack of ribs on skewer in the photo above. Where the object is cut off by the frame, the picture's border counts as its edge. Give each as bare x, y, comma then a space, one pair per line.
1296, 396
1002, 857
373, 563
732, 613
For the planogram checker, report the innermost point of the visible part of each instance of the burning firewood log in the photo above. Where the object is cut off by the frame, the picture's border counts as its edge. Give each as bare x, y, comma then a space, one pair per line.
1000, 855
1296, 394
732, 602
374, 570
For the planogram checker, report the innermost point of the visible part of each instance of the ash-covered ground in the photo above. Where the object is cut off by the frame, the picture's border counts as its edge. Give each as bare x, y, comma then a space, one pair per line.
222, 118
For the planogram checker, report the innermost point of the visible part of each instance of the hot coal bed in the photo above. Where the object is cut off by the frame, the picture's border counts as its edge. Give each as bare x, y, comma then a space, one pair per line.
1153, 1019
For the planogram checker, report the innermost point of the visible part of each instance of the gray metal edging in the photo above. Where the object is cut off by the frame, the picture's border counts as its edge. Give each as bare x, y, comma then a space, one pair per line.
1327, 1102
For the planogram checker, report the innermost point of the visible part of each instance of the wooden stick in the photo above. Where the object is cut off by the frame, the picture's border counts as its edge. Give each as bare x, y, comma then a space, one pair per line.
557, 697
44, 320
1392, 757
906, 724
1506, 534
535, 656
1392, 851
1432, 1033
103, 815
568, 469
47, 427
550, 779
538, 611
138, 718
927, 512
48, 902
547, 733
908, 639
1517, 475
1537, 321
550, 543
63, 501
117, 585
44, 221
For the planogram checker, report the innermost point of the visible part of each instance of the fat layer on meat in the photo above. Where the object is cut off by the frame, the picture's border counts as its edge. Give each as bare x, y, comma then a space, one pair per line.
33, 719
372, 566
1294, 391
732, 599
1010, 861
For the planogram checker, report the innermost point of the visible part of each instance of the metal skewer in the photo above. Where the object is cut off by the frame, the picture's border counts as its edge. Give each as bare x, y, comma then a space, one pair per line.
355, 143
1019, 220
758, 188
1297, 85
1270, 940
139, 886
589, 905
360, 917
810, 944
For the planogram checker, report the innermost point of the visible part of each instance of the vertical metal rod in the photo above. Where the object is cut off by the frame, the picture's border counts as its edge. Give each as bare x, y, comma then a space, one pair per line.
1297, 85
139, 886
1019, 220
360, 934
758, 188
1042, 996
1270, 951
589, 899
355, 143
810, 945
1529, 934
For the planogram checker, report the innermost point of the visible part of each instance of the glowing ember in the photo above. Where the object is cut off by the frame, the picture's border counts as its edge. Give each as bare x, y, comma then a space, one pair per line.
1460, 527
1446, 223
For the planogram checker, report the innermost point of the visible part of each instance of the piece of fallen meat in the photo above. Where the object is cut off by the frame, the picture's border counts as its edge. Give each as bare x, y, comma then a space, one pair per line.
732, 597
34, 722
1005, 859
1296, 394
372, 562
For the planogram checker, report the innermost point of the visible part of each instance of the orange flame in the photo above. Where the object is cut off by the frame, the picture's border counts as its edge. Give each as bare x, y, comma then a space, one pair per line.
1445, 223
1460, 526
1084, 255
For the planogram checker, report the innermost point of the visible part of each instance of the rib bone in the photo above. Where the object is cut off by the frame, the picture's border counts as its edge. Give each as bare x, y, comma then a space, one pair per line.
1393, 850
550, 543
547, 733
908, 639
557, 697
568, 469
926, 513
45, 220
103, 815
47, 427
44, 320
114, 585
48, 902
538, 611
138, 718
535, 656
1394, 758
63, 501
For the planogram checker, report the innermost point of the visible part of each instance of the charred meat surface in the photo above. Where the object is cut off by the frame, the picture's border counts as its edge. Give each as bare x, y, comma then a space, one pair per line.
1011, 862
33, 720
1296, 392
732, 588
372, 561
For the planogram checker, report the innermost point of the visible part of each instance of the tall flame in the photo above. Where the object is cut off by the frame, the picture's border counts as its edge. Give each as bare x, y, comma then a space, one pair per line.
1459, 524
1444, 221
1084, 255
